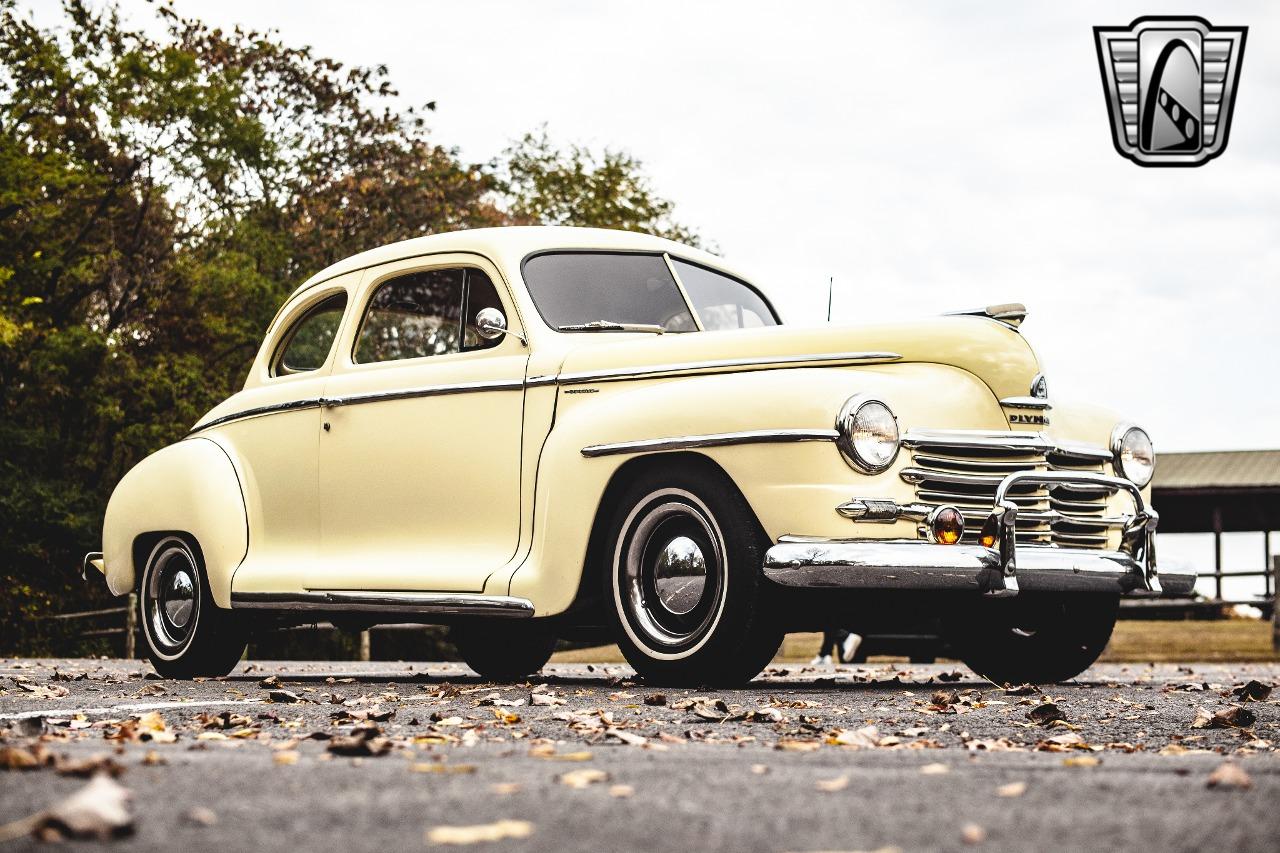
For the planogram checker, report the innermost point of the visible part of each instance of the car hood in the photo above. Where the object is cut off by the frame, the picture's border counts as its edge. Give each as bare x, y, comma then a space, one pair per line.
990, 350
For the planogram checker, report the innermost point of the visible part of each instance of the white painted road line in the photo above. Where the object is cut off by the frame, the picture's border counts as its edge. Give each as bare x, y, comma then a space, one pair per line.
136, 706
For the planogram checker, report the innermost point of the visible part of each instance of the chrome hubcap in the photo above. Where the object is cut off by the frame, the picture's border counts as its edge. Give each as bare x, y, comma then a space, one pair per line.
171, 599
179, 598
680, 575
671, 572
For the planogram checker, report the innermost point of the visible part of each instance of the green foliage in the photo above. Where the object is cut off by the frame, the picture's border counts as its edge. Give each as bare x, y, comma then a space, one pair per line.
159, 197
574, 186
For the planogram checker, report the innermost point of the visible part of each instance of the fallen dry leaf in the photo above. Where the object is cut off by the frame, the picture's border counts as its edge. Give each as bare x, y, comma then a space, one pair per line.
1229, 775
626, 737
99, 810
1253, 691
480, 832
973, 834
19, 758
1234, 717
1013, 789
43, 691
505, 788
935, 769
367, 740
548, 752
87, 767
1046, 713
201, 816
441, 767
790, 745
285, 757
1081, 761
284, 696
582, 778
867, 736
621, 791
830, 786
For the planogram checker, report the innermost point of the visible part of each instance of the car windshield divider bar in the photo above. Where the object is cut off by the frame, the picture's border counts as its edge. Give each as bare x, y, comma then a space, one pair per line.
722, 439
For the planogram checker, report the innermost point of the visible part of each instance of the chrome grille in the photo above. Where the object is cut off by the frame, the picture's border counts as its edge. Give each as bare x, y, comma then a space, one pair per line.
963, 468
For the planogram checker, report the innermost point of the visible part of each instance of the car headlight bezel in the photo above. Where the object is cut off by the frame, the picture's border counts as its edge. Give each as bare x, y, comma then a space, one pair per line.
856, 434
1129, 442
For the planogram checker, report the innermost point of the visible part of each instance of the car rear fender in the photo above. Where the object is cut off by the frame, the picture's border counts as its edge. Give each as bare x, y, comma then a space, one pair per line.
189, 488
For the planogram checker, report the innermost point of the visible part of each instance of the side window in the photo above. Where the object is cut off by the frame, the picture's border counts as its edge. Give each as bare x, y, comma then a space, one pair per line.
306, 346
412, 316
723, 302
481, 294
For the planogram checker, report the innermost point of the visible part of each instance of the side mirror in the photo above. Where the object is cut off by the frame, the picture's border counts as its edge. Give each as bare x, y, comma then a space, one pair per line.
491, 324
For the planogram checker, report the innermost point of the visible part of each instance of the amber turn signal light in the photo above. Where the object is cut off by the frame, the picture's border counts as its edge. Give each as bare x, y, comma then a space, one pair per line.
946, 525
987, 536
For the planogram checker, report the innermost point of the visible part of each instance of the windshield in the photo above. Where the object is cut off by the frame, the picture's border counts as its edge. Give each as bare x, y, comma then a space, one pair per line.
580, 288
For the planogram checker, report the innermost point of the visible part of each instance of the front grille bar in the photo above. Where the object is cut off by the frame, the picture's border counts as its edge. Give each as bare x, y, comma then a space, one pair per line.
1137, 539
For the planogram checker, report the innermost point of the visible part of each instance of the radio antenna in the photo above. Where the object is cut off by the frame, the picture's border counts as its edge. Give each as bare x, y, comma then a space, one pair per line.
831, 284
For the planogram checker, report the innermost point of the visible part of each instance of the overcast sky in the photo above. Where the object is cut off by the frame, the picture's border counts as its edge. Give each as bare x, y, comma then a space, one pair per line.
929, 156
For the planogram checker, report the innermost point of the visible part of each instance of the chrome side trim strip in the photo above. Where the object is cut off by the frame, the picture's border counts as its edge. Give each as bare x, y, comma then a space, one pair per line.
375, 397
429, 391
685, 369
425, 603
1026, 403
693, 368
291, 406
721, 439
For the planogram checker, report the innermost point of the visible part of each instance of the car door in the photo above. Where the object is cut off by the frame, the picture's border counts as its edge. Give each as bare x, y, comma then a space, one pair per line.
274, 432
420, 443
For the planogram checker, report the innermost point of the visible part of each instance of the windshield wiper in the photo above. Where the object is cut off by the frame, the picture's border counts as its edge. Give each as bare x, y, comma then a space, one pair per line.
611, 326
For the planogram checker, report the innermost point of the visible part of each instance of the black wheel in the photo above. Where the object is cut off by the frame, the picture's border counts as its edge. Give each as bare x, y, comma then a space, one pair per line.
187, 634
684, 586
503, 651
1033, 639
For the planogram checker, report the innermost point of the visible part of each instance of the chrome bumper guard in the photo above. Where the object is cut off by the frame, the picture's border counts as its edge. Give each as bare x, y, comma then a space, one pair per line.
1003, 569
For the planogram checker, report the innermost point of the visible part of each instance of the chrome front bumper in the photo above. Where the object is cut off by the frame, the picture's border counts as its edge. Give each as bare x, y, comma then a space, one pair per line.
1003, 569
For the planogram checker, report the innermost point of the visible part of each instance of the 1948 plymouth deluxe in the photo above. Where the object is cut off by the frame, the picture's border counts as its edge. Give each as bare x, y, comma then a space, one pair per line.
539, 433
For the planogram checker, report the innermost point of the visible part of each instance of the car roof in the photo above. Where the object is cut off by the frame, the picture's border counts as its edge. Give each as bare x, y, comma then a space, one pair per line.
511, 244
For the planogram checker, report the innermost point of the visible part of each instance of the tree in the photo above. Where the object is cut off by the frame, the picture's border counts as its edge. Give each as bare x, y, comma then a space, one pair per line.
547, 184
160, 196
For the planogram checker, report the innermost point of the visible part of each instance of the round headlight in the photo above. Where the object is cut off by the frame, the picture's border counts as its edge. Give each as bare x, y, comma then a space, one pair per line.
868, 434
1135, 458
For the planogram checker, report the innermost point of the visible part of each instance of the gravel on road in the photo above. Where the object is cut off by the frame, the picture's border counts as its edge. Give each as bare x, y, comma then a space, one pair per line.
388, 756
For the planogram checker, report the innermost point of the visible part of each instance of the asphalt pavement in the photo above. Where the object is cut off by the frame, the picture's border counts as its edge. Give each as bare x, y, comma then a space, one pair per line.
313, 757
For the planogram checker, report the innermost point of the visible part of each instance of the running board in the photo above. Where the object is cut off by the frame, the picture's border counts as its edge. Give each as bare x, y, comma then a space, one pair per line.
358, 601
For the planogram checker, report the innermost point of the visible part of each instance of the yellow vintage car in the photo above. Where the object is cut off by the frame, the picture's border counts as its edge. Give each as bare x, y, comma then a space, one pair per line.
539, 433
